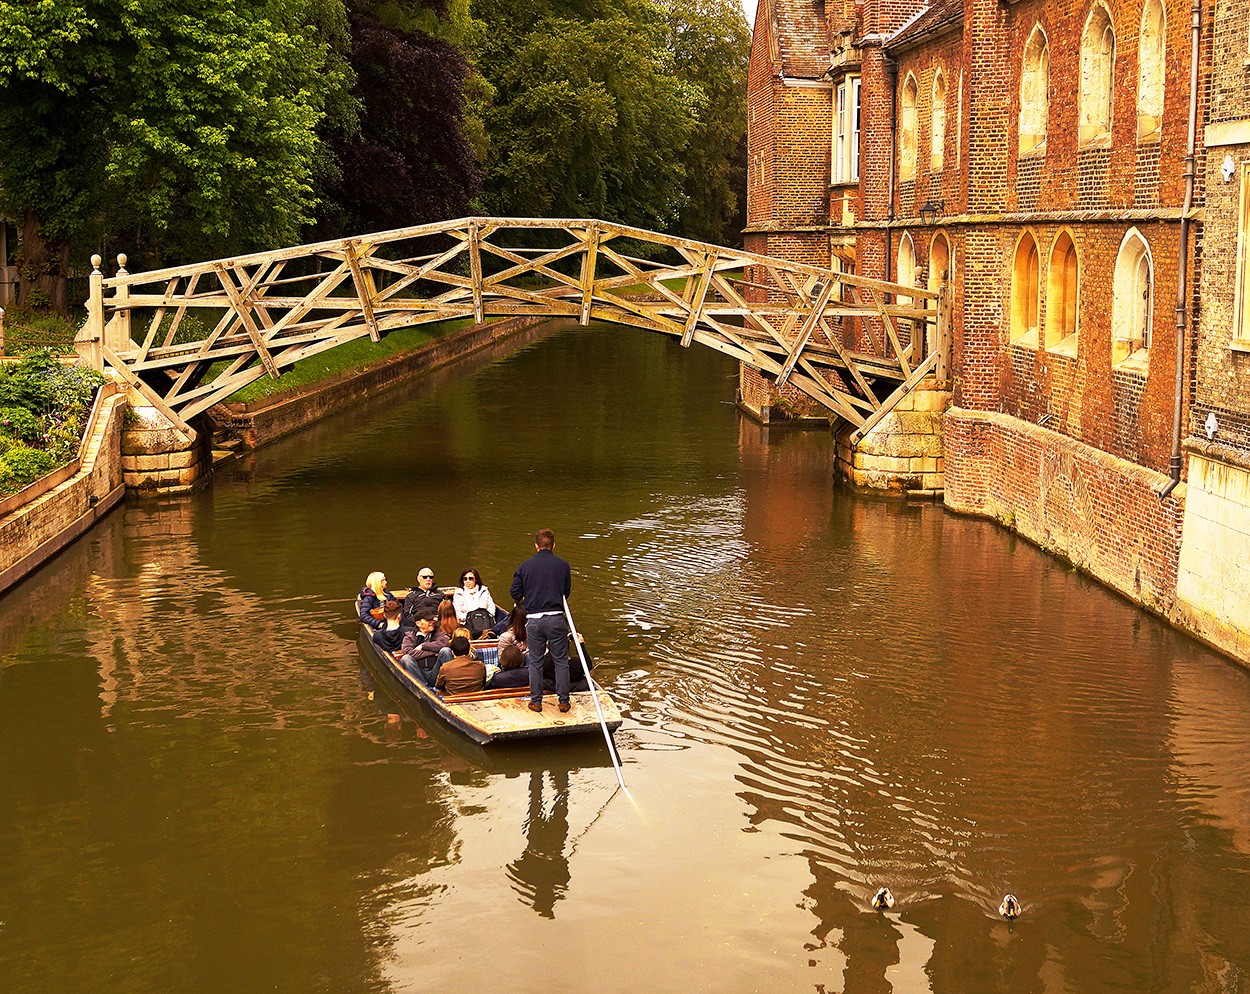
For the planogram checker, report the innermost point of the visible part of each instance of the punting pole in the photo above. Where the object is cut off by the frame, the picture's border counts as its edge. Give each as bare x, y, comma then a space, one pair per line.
594, 696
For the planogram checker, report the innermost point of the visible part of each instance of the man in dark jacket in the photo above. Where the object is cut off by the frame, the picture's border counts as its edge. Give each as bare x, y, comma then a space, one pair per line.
423, 597
420, 648
543, 582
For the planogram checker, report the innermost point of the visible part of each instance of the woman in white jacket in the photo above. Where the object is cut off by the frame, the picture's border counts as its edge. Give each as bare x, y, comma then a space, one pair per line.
472, 594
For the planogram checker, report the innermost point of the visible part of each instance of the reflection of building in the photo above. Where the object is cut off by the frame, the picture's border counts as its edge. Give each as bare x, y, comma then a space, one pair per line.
1033, 156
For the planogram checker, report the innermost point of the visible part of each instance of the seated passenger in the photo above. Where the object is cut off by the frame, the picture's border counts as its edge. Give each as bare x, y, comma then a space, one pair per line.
512, 670
447, 621
373, 595
420, 649
391, 638
577, 674
461, 675
445, 654
472, 595
423, 595
514, 634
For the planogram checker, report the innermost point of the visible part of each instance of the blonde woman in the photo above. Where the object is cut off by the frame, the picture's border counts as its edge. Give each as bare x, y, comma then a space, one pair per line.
371, 599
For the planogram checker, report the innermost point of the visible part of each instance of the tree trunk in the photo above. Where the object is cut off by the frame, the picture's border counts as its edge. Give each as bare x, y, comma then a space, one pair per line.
43, 268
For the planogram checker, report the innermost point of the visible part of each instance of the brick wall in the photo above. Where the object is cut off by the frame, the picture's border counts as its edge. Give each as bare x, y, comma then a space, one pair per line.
1101, 513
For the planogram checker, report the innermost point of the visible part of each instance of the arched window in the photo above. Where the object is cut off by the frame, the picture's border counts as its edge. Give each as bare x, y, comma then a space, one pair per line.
1150, 80
1133, 307
907, 127
939, 262
1034, 93
1024, 292
1062, 293
906, 266
1097, 70
939, 122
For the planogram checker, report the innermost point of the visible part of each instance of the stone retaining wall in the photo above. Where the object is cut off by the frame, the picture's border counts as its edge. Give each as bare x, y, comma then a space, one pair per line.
1213, 582
264, 421
49, 519
1099, 512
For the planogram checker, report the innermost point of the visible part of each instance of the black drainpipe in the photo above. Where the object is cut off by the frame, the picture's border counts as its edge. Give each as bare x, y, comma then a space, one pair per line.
1182, 264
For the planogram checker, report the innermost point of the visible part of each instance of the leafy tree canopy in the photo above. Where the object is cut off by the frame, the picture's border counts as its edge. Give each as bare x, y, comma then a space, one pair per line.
624, 109
186, 128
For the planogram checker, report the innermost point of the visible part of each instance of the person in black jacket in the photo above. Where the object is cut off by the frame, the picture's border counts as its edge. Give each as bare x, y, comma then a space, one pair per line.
543, 582
424, 596
391, 637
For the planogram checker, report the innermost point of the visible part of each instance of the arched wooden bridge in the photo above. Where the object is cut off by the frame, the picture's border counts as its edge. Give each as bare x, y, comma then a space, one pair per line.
838, 338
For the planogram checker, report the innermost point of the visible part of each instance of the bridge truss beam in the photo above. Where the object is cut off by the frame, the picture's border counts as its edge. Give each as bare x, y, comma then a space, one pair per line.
854, 345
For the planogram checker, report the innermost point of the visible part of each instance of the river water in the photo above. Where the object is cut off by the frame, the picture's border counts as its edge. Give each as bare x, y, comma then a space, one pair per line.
200, 789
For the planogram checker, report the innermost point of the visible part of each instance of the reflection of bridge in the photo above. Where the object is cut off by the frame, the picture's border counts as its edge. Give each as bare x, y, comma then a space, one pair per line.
834, 336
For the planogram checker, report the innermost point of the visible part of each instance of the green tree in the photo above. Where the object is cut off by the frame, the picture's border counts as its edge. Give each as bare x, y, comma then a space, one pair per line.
588, 116
172, 130
711, 44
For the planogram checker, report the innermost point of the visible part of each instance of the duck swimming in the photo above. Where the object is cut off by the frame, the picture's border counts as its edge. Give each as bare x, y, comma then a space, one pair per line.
883, 900
1010, 908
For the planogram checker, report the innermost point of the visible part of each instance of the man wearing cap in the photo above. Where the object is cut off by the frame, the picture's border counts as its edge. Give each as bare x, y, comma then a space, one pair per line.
543, 581
423, 596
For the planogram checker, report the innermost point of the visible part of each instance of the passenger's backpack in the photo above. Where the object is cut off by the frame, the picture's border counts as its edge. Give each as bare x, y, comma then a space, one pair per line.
479, 620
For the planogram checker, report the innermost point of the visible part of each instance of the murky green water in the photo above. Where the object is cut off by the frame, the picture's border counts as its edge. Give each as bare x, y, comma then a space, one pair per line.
824, 693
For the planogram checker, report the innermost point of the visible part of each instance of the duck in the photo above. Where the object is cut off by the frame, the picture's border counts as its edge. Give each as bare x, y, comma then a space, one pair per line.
1010, 908
883, 900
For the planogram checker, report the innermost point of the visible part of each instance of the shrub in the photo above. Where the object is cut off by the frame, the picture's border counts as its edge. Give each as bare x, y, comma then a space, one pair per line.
27, 464
19, 423
72, 387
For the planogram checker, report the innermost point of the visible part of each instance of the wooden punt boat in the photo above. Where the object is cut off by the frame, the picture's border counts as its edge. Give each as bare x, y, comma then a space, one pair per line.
496, 715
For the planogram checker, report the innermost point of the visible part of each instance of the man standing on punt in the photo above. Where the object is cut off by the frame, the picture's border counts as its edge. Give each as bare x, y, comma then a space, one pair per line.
542, 582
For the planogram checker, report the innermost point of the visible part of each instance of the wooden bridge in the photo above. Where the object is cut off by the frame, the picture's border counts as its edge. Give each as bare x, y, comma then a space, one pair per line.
188, 337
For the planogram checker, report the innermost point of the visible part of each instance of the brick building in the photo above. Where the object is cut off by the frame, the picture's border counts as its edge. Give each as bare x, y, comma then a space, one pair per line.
1031, 154
1214, 571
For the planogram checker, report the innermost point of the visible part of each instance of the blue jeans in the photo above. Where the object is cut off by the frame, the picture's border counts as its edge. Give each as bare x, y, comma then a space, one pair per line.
542, 635
427, 677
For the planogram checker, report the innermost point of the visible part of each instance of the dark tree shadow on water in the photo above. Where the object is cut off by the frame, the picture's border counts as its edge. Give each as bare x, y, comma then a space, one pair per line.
540, 875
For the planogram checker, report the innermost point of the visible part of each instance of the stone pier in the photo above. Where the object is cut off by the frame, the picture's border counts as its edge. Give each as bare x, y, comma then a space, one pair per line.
903, 452
157, 458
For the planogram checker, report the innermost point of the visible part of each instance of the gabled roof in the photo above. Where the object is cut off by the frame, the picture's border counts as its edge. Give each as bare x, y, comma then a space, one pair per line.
937, 18
798, 30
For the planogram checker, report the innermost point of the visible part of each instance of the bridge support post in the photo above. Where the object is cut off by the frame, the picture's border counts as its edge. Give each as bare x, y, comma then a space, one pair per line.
89, 341
903, 453
157, 458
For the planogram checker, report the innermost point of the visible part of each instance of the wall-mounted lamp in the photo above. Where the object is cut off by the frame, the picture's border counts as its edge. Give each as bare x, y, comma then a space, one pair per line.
1228, 168
1212, 425
931, 209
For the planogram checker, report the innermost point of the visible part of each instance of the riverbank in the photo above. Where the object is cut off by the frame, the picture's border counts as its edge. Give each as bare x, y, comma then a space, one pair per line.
41, 520
255, 423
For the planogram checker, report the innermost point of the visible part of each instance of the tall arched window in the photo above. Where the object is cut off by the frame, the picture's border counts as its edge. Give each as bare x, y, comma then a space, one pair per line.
1150, 79
1034, 93
907, 128
939, 122
1097, 74
1132, 310
1062, 293
1024, 291
906, 266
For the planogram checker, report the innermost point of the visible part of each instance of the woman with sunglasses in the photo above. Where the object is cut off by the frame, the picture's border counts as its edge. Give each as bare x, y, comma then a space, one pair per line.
473, 595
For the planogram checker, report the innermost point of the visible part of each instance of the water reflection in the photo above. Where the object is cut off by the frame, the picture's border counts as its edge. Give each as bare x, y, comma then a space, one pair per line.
540, 875
824, 694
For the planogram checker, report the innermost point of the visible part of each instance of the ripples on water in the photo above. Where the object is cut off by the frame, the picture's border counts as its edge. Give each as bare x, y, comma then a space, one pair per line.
825, 693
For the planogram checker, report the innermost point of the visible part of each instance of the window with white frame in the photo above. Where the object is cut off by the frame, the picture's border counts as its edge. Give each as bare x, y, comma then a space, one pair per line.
1132, 309
909, 129
1241, 300
846, 131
